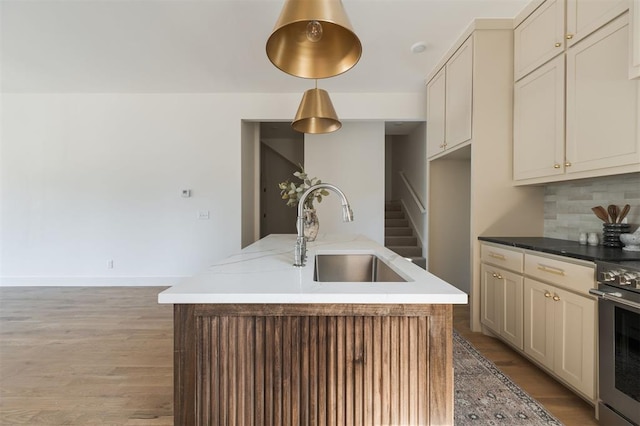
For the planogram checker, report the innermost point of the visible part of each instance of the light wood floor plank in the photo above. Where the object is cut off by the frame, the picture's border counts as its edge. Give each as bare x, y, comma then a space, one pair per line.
104, 356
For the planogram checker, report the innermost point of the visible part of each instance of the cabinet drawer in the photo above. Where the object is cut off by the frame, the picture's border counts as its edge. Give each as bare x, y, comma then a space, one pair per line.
579, 278
503, 257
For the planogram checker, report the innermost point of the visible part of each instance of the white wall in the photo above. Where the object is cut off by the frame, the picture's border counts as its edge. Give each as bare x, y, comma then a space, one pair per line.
86, 178
250, 135
353, 160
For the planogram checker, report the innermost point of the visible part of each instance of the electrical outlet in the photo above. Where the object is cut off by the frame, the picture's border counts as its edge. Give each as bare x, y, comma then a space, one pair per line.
110, 264
203, 214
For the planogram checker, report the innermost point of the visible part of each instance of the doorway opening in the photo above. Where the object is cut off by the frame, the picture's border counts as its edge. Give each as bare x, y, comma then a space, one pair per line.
281, 154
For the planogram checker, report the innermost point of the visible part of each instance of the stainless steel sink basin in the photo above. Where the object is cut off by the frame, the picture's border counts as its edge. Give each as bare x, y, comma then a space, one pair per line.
353, 268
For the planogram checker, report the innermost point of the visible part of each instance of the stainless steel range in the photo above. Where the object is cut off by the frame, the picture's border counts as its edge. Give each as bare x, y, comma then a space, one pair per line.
619, 342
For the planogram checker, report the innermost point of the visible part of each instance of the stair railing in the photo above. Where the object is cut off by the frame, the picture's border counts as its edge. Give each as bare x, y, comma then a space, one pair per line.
413, 192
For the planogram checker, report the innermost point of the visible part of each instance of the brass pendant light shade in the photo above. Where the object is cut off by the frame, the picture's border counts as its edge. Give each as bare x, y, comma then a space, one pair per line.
316, 113
313, 39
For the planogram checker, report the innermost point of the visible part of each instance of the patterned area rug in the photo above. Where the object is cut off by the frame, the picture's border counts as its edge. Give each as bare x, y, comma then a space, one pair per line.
485, 396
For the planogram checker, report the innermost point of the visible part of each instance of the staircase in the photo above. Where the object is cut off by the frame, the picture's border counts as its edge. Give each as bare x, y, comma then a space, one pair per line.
399, 236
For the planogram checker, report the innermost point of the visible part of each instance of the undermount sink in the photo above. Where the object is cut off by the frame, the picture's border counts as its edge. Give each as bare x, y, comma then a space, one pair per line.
353, 268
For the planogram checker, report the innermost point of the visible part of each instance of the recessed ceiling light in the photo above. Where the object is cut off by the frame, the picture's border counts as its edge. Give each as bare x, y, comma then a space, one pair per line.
419, 47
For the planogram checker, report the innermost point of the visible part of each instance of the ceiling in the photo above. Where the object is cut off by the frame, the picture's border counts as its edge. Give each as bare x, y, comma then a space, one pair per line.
161, 46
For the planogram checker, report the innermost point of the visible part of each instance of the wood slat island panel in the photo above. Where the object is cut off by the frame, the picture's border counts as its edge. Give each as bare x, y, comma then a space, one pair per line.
313, 364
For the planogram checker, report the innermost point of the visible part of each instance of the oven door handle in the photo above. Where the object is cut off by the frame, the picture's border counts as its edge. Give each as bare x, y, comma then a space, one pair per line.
615, 297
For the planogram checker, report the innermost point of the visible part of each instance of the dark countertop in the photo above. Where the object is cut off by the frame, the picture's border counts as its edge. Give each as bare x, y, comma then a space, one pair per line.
566, 248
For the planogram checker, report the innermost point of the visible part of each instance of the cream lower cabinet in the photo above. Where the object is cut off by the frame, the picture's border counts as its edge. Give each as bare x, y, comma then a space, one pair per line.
560, 325
502, 302
540, 304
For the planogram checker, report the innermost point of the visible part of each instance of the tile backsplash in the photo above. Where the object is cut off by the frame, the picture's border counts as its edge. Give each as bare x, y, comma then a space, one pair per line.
567, 205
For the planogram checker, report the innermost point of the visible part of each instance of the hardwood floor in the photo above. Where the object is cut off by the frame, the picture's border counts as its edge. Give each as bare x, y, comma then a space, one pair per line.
85, 356
104, 355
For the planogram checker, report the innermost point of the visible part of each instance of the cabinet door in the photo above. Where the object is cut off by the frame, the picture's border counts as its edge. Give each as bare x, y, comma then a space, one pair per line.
459, 70
603, 115
575, 346
538, 321
634, 39
539, 38
435, 114
511, 308
538, 122
586, 16
490, 291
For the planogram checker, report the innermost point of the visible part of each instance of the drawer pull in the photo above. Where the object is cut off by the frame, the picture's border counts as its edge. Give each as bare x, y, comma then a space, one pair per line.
497, 256
556, 298
547, 294
551, 270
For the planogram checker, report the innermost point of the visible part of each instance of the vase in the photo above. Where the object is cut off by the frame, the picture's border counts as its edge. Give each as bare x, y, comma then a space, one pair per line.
311, 224
612, 232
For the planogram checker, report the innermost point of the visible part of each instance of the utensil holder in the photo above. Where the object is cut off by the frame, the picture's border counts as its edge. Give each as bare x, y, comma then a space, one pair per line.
611, 234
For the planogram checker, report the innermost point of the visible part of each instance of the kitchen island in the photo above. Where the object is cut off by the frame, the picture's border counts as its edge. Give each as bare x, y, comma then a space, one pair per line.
258, 341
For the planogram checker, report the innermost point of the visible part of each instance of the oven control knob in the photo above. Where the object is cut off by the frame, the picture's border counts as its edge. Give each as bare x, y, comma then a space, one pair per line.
609, 276
627, 278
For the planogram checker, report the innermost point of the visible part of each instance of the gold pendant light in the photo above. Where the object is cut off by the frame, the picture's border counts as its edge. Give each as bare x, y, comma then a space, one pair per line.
313, 39
316, 113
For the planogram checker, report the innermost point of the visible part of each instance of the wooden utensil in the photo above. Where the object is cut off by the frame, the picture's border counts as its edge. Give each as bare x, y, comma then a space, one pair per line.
601, 213
613, 212
624, 212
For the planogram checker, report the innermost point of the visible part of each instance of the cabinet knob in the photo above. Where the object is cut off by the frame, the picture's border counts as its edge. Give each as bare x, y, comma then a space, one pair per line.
556, 166
495, 275
499, 276
569, 36
556, 298
547, 294
558, 44
567, 164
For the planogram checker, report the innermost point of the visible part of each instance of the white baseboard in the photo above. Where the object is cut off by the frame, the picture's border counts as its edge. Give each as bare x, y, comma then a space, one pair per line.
6, 281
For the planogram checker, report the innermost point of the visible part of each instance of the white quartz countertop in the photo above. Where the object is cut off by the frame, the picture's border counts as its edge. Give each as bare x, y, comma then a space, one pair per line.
264, 273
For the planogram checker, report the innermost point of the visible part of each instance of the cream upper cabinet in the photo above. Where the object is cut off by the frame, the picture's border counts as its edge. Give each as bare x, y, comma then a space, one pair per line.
449, 102
436, 113
602, 104
586, 16
538, 122
459, 71
634, 40
539, 38
601, 108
